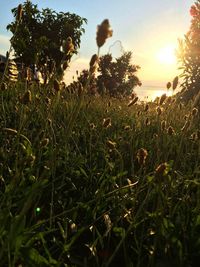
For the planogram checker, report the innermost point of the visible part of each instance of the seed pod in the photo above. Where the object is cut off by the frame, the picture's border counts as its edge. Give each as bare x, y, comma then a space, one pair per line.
103, 32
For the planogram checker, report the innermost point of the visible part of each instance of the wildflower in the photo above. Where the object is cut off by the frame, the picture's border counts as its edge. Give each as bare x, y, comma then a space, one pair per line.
103, 32
141, 156
162, 99
194, 111
175, 83
168, 85
170, 130
106, 122
133, 101
26, 98
159, 111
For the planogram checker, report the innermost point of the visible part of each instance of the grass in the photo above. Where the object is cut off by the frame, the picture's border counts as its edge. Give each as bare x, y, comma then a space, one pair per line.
75, 191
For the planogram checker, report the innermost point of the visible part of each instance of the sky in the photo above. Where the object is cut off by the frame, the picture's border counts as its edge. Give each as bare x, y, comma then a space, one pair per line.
148, 28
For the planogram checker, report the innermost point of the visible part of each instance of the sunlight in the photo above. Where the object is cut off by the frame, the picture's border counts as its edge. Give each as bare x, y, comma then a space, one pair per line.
166, 55
158, 93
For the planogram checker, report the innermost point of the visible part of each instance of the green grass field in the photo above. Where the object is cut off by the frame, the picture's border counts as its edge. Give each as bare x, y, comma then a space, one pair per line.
91, 181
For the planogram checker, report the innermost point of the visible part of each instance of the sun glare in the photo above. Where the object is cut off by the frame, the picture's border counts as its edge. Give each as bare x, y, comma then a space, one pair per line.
166, 55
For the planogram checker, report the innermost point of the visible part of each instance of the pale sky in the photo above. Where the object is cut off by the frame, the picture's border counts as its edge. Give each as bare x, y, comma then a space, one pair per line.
148, 28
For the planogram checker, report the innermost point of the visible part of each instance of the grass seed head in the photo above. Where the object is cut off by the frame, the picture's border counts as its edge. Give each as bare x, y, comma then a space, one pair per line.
175, 83
160, 170
163, 125
159, 111
185, 126
110, 144
56, 85
162, 99
195, 111
19, 12
168, 85
26, 98
146, 108
198, 134
170, 130
141, 156
103, 32
106, 122
133, 101
4, 87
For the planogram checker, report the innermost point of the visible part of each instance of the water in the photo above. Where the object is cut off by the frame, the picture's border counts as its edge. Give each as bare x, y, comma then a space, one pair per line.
150, 92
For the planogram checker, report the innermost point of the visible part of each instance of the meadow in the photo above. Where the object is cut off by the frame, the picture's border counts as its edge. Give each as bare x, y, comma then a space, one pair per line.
97, 181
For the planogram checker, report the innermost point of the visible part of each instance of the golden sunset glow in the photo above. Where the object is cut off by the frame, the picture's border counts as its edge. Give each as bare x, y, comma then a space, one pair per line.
166, 55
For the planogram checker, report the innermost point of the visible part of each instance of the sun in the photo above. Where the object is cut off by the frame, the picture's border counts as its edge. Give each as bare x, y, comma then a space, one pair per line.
166, 55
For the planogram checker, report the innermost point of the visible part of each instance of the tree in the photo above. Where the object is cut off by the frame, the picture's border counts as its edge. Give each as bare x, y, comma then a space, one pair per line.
117, 77
45, 37
189, 56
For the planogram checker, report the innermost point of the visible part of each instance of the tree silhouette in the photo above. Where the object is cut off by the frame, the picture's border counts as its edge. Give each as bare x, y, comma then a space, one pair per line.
117, 77
189, 56
42, 37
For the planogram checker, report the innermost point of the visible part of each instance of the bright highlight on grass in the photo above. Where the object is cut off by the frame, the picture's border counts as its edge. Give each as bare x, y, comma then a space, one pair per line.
166, 55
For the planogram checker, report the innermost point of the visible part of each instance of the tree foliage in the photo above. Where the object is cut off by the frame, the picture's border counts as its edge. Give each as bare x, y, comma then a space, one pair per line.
39, 35
117, 77
189, 56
